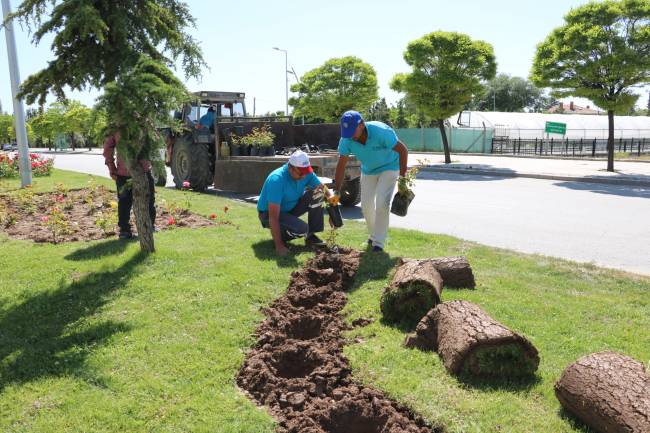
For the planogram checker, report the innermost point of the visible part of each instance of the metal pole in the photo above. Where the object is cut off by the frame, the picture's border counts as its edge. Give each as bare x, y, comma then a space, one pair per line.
286, 84
19, 111
286, 80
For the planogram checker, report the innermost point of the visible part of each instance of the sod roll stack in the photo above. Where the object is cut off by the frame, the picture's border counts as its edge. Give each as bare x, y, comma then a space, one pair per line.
608, 391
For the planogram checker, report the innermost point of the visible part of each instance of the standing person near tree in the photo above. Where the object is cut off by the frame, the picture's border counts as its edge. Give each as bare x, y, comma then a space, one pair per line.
383, 159
120, 174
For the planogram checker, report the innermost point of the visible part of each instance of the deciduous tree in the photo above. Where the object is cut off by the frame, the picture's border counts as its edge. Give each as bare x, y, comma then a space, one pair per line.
447, 70
602, 52
338, 85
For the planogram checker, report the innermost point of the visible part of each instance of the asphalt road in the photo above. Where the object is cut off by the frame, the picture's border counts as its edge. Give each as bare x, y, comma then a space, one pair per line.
604, 224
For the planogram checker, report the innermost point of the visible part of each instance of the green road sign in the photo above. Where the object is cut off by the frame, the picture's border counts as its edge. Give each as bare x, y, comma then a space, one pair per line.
556, 128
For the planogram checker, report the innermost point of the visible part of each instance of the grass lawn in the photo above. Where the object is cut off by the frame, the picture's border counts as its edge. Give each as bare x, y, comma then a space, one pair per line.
95, 337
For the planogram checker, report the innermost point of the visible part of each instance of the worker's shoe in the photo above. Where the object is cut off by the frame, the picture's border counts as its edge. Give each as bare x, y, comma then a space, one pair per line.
125, 235
314, 241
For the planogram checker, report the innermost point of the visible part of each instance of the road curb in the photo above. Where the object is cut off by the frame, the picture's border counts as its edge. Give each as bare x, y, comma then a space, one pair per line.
498, 173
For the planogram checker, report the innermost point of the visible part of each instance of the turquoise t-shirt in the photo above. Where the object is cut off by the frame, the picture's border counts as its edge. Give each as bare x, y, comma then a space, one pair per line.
280, 188
377, 155
207, 119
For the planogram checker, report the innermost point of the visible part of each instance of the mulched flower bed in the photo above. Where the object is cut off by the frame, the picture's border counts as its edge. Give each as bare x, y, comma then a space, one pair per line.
80, 215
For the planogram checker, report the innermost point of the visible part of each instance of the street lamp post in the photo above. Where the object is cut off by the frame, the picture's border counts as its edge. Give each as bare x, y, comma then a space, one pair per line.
19, 111
286, 80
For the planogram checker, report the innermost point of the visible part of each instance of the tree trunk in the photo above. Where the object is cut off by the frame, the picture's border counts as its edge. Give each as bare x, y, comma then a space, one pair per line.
456, 272
414, 290
608, 391
73, 144
445, 143
610, 141
469, 341
141, 206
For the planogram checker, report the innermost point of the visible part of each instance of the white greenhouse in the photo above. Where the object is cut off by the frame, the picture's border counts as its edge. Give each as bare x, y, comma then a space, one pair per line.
532, 125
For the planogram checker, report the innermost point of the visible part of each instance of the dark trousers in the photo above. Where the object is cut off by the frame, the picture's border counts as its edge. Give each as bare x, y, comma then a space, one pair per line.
291, 226
125, 202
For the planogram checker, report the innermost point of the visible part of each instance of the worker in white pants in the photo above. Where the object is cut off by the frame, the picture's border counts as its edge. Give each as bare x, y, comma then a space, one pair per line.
383, 159
376, 194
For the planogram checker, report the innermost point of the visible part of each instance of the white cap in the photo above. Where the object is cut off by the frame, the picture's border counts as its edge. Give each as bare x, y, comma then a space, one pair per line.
299, 159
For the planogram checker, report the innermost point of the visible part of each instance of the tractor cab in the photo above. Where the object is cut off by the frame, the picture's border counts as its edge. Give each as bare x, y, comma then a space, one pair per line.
224, 105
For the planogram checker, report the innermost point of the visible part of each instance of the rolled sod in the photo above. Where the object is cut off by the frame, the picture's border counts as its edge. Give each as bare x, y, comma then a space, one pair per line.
608, 391
469, 341
414, 290
456, 272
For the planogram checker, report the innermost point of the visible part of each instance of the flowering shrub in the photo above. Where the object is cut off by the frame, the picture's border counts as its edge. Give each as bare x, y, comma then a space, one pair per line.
26, 201
7, 219
106, 221
187, 196
57, 223
9, 165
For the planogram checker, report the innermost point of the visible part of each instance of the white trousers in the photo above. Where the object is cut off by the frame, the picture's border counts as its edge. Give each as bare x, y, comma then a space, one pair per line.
376, 194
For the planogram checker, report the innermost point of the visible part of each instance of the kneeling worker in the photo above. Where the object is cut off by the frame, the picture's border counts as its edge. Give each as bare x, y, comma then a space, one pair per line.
288, 193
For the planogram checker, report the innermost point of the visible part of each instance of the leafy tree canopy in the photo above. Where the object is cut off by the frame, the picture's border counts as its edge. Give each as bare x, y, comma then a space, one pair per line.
340, 84
510, 94
447, 70
601, 53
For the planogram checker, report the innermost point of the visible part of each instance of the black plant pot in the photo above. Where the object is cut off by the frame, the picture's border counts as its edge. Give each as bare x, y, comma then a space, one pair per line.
401, 203
255, 151
243, 150
234, 150
335, 215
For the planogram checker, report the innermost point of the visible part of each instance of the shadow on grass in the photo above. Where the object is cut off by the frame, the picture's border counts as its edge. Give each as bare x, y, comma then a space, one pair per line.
405, 326
574, 422
500, 383
99, 250
373, 266
265, 250
46, 335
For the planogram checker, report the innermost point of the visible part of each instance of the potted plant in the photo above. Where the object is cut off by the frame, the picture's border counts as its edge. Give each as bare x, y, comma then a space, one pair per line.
405, 194
255, 148
264, 138
235, 145
244, 145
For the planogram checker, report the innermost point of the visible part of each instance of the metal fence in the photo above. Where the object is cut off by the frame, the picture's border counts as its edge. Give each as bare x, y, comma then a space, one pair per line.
568, 147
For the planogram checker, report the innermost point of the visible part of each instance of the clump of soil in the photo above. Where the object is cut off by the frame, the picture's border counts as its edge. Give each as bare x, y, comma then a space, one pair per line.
84, 214
297, 369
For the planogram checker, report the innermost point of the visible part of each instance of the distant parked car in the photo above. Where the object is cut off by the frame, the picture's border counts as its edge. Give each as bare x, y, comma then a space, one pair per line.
10, 147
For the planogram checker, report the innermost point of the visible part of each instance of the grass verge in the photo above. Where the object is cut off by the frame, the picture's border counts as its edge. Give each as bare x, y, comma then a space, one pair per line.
96, 337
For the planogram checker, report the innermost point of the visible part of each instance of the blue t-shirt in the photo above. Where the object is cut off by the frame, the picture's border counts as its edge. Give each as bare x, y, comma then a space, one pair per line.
377, 155
280, 188
207, 119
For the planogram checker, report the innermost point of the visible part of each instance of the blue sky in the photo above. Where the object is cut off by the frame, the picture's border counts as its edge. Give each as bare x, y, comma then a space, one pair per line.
237, 39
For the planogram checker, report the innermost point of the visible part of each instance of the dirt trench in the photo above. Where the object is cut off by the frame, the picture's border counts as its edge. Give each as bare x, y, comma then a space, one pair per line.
297, 368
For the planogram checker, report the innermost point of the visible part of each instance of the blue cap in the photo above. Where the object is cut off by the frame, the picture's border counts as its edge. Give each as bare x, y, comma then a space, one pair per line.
349, 122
